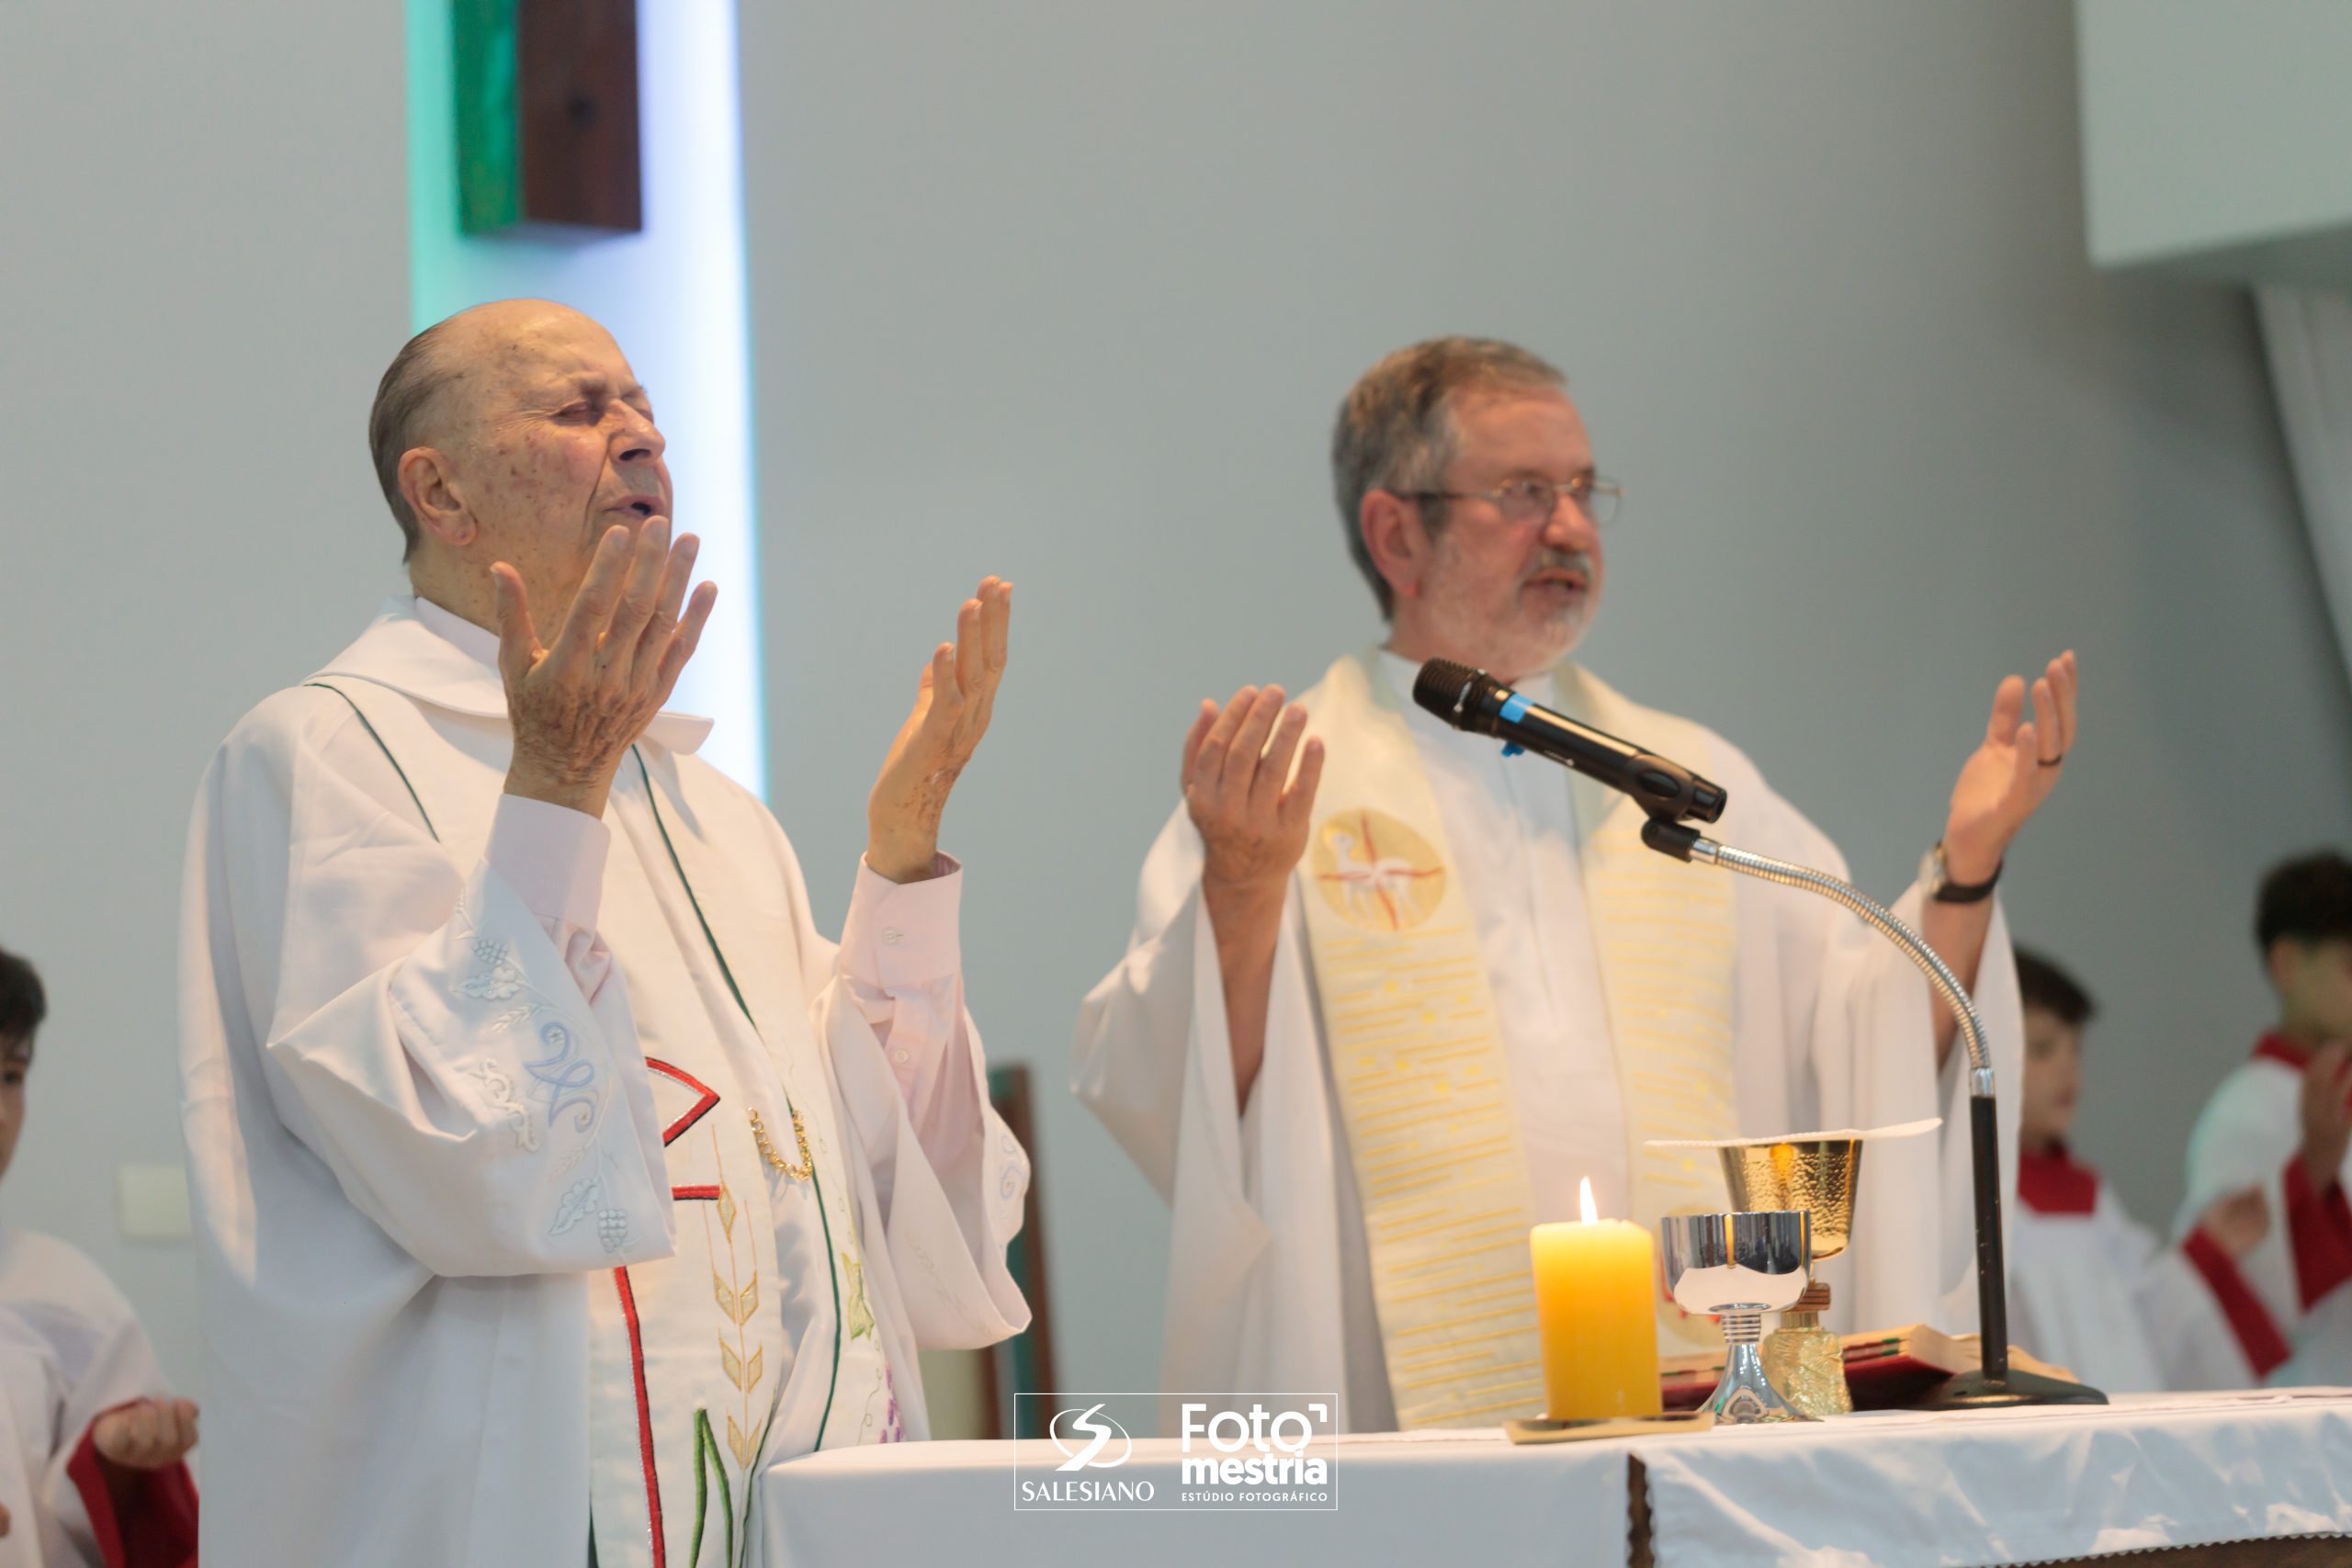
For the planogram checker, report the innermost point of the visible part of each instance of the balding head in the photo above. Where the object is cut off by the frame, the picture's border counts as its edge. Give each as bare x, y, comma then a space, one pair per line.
514, 430
422, 397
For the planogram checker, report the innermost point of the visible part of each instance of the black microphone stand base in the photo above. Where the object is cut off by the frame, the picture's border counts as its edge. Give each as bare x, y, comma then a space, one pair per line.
1976, 1391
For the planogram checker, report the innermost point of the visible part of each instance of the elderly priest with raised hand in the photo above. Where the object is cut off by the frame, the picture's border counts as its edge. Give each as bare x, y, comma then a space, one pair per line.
1348, 869
553, 1173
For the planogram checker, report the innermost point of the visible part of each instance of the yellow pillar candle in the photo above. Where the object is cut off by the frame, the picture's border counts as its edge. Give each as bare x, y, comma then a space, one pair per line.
1596, 1305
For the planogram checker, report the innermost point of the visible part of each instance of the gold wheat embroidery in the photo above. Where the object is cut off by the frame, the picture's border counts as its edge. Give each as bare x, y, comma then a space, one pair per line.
743, 1363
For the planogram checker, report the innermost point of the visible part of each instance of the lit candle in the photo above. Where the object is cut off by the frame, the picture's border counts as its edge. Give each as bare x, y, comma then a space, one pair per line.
1596, 1296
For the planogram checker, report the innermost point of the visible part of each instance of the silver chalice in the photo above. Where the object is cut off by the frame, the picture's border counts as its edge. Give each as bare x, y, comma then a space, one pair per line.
1736, 1267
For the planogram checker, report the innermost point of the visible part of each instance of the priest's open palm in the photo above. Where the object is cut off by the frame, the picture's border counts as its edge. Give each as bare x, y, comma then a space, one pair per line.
952, 701
578, 704
2013, 772
1251, 814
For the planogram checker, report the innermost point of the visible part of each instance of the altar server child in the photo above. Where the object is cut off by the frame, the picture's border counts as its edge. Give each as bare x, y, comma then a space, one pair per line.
2090, 1288
2282, 1121
92, 1444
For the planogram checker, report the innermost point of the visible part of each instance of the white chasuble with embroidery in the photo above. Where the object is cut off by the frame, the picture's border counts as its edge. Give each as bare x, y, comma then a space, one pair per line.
509, 1219
1484, 986
764, 1306
762, 1311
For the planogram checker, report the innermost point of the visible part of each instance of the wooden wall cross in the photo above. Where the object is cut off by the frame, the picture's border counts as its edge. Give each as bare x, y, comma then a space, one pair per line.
547, 116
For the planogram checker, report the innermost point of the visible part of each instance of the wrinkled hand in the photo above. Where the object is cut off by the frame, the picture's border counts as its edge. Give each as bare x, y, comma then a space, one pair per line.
953, 702
2008, 777
1251, 814
2238, 1223
2327, 1113
579, 704
148, 1435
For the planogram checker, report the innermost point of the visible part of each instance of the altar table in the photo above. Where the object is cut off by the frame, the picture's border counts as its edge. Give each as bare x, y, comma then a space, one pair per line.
2263, 1477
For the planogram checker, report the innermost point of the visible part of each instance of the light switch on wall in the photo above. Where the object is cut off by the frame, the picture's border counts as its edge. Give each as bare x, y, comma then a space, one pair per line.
150, 1203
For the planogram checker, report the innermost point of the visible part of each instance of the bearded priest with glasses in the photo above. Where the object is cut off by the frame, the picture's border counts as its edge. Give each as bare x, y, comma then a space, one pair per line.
553, 1173
1391, 994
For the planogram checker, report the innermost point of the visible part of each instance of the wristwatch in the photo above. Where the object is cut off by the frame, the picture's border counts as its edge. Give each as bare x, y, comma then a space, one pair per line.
1944, 890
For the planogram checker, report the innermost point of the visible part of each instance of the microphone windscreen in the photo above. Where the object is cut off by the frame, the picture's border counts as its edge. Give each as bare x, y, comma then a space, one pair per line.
1441, 687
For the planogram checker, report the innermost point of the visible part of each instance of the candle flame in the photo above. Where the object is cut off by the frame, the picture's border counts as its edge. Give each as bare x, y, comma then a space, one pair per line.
1584, 1200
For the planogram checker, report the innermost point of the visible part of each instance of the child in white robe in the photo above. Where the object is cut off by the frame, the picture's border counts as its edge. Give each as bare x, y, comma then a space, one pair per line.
2090, 1288
2282, 1121
92, 1445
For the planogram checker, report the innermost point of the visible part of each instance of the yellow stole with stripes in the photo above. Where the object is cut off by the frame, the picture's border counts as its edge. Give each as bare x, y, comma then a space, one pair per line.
1423, 1084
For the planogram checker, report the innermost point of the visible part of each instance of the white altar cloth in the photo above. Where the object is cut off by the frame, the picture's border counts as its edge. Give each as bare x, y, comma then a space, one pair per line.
1895, 1489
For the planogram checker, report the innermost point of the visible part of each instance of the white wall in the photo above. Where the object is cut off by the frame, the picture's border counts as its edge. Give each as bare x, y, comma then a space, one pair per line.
205, 270
1069, 293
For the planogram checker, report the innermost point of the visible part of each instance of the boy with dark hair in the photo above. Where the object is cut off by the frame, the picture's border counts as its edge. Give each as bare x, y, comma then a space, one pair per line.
2090, 1287
91, 1442
2283, 1121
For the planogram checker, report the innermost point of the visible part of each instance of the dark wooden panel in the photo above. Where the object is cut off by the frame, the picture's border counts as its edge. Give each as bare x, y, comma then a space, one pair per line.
577, 104
546, 116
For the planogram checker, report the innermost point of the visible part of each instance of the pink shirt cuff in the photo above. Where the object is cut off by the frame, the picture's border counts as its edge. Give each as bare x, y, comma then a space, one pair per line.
552, 856
904, 934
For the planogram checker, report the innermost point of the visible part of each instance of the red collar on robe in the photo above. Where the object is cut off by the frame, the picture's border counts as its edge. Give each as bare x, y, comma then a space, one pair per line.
2052, 1183
2276, 1047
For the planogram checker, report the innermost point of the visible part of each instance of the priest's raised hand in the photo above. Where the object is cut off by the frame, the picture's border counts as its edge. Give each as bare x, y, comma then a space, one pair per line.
2015, 769
579, 706
954, 699
2005, 780
1252, 817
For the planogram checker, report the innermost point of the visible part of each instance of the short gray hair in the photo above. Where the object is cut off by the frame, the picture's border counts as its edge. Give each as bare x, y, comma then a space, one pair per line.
1395, 428
417, 376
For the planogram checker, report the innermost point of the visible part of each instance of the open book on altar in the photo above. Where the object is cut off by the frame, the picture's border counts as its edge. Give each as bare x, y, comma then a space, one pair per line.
1886, 1368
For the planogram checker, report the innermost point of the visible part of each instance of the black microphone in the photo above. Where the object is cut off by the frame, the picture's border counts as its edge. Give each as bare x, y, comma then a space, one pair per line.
1473, 700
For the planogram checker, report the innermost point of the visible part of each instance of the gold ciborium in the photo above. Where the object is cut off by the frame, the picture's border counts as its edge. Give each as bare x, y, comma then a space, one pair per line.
1820, 1176
1817, 1174
1820, 1173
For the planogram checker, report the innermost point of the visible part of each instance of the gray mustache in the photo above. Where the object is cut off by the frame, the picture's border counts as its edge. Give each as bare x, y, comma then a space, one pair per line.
1564, 560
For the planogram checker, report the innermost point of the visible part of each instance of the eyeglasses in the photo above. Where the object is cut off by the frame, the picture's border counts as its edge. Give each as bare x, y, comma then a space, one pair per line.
1531, 502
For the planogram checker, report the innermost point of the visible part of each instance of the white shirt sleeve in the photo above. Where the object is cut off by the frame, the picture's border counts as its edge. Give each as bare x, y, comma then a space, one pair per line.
902, 958
943, 1181
554, 858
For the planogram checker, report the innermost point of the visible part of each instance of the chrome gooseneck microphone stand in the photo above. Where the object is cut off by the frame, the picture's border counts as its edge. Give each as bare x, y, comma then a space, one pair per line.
1996, 1384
